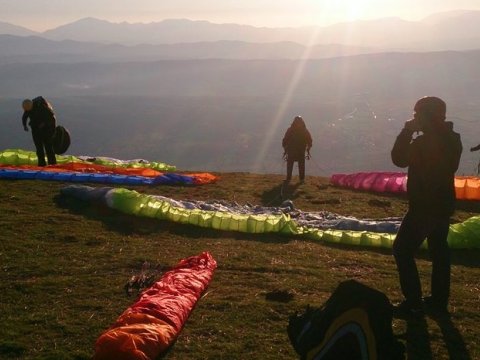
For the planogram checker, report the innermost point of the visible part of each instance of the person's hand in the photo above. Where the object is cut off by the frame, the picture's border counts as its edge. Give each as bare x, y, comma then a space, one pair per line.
284, 157
308, 155
25, 128
412, 125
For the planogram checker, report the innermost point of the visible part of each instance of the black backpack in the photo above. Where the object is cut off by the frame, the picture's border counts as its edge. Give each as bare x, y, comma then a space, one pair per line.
354, 323
61, 140
44, 114
61, 136
42, 103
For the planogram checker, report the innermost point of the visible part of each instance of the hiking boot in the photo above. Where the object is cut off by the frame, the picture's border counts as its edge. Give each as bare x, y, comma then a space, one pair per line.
435, 307
408, 310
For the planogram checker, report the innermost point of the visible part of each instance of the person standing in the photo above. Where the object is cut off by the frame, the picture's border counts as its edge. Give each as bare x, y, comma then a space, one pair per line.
432, 159
42, 122
296, 141
476, 148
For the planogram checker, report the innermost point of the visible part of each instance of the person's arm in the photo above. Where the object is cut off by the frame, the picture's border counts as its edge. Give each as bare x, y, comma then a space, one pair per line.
284, 143
309, 141
475, 148
458, 152
24, 120
285, 139
448, 146
401, 149
53, 121
454, 151
308, 138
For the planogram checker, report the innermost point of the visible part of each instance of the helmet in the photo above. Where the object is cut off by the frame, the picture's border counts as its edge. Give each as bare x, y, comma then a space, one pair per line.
431, 106
27, 105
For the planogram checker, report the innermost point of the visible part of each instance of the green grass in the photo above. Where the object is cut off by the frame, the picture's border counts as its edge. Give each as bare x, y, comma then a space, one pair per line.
64, 265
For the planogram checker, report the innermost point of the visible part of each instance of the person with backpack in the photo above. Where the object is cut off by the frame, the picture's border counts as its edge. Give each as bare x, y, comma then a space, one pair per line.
296, 141
43, 123
432, 159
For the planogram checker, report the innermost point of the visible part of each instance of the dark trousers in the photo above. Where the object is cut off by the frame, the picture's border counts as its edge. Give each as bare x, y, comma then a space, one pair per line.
413, 231
43, 140
301, 168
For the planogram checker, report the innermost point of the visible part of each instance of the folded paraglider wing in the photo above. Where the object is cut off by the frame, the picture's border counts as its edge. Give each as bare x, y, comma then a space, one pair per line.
149, 326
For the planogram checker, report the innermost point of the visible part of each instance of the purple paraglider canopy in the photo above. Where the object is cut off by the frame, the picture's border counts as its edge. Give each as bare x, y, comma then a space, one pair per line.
392, 182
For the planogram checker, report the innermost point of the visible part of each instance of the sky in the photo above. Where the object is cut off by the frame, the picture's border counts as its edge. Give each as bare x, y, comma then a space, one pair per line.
42, 15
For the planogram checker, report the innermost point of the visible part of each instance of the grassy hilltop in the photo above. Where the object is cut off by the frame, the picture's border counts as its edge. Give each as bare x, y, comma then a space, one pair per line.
64, 265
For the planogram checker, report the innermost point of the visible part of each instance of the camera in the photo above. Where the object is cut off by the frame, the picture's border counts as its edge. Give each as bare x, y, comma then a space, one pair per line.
413, 125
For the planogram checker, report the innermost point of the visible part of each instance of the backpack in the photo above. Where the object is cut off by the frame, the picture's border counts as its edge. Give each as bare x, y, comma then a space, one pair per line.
42, 103
42, 114
61, 140
354, 323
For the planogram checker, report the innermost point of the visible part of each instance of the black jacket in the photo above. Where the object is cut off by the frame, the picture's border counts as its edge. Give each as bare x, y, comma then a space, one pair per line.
432, 159
41, 116
296, 141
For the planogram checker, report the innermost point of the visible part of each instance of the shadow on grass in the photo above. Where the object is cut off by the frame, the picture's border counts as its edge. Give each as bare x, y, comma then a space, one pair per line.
468, 205
279, 193
129, 224
418, 339
11, 350
467, 257
453, 339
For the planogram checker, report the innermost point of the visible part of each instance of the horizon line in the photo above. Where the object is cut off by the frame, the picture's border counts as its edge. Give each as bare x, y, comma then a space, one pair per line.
120, 22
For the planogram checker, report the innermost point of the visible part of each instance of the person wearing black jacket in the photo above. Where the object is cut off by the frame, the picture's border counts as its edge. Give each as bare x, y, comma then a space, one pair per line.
476, 148
42, 123
432, 159
296, 141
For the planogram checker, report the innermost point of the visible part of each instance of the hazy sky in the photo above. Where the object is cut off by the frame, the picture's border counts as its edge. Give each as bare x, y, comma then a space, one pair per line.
47, 14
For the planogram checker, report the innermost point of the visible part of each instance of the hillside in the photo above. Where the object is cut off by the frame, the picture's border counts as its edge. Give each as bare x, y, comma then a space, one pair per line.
64, 265
35, 49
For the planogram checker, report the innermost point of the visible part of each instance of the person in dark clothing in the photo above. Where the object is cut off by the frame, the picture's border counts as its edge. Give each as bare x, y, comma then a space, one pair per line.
432, 159
475, 148
42, 123
296, 141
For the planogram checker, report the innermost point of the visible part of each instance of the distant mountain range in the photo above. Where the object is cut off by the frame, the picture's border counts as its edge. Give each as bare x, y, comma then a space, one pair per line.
456, 30
34, 49
10, 29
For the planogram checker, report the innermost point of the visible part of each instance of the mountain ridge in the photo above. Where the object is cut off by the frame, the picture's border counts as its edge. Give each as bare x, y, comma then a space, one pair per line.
455, 30
12, 29
38, 49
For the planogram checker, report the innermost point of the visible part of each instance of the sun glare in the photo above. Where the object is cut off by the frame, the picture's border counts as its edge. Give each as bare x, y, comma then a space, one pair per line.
347, 9
329, 12
281, 113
